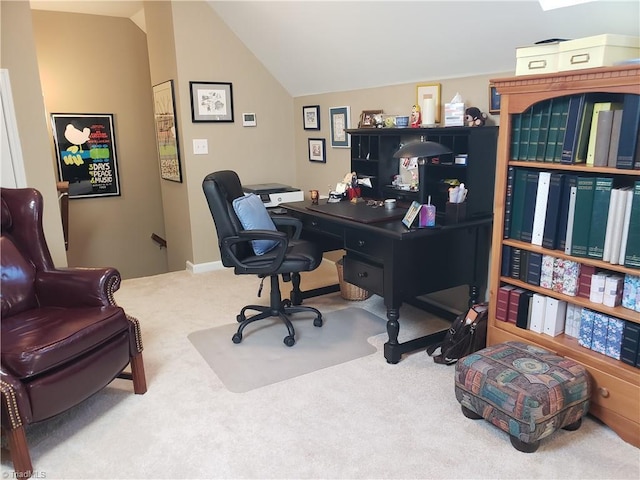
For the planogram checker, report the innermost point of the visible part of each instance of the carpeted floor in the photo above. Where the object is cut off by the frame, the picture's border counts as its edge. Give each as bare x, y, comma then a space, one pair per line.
362, 419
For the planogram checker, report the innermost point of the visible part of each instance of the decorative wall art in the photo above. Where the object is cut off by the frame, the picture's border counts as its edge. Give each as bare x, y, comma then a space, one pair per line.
428, 98
339, 120
164, 109
211, 101
311, 117
317, 150
86, 153
494, 100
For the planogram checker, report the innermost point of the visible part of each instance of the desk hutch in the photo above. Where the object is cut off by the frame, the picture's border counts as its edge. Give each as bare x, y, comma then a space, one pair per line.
615, 395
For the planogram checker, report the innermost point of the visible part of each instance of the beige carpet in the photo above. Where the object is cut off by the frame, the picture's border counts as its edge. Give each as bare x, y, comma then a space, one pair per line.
362, 419
262, 358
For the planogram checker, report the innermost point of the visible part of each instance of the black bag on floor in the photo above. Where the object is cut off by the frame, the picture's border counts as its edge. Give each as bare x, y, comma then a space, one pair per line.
467, 334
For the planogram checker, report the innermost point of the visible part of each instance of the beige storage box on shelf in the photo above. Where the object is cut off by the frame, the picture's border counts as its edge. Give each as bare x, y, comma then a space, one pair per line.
536, 59
597, 51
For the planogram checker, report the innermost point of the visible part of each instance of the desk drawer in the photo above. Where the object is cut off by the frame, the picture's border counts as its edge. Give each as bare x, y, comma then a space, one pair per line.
362, 243
364, 275
321, 226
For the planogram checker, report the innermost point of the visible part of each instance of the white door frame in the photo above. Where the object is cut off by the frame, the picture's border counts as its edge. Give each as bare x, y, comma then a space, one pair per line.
11, 159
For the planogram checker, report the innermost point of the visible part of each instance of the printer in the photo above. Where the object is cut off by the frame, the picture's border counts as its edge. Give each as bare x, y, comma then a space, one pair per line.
273, 194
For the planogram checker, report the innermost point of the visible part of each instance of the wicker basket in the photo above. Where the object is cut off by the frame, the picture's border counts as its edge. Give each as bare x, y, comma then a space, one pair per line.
349, 291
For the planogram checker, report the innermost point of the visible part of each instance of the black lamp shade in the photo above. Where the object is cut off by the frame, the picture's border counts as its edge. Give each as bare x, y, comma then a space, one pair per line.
421, 149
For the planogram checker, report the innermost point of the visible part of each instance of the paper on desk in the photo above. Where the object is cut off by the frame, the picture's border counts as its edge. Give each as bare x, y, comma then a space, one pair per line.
340, 188
365, 181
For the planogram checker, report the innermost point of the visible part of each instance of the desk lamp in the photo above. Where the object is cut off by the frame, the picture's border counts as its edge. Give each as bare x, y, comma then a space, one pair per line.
423, 150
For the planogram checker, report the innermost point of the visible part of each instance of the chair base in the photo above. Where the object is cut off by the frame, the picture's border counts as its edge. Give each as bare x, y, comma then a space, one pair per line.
277, 308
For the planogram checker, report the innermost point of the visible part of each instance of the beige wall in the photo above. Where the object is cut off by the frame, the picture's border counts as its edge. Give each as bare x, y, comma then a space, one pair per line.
16, 29
98, 64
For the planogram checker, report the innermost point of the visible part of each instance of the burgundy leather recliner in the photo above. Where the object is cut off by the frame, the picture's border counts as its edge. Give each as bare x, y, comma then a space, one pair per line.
63, 338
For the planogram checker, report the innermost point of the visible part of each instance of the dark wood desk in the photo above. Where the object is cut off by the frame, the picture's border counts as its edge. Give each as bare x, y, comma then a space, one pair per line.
397, 263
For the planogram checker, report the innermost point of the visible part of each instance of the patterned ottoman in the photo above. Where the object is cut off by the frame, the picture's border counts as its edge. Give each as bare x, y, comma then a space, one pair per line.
524, 390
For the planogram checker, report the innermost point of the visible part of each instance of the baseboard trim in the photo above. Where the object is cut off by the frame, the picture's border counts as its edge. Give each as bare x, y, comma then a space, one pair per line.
213, 266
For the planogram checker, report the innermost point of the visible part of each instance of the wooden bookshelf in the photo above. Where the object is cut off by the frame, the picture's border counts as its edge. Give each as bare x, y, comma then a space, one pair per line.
615, 398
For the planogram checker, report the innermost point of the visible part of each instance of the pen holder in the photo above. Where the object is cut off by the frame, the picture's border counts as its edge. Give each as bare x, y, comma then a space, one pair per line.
455, 212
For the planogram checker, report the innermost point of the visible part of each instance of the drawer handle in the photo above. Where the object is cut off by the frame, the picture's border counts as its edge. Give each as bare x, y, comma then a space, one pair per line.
604, 393
535, 64
363, 274
361, 243
580, 58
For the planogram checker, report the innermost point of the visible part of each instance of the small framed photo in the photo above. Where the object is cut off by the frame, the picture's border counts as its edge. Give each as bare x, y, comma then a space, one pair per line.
494, 100
339, 120
426, 92
411, 214
317, 150
249, 120
311, 117
367, 118
211, 101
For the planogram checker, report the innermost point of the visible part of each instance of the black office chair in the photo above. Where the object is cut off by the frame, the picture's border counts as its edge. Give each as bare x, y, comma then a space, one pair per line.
289, 257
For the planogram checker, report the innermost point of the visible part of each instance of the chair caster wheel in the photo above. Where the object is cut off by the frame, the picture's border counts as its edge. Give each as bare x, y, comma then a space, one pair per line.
522, 446
237, 338
289, 341
573, 426
467, 412
317, 322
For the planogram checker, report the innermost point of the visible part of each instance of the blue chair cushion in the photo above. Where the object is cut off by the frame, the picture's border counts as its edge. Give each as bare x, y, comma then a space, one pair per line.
253, 215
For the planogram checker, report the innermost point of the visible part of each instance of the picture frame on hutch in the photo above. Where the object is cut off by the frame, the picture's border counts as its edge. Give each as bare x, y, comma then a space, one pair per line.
317, 151
166, 128
339, 119
311, 117
425, 92
211, 101
367, 118
85, 149
494, 100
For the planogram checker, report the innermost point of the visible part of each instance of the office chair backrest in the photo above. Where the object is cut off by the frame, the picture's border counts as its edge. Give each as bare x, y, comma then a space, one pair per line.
221, 189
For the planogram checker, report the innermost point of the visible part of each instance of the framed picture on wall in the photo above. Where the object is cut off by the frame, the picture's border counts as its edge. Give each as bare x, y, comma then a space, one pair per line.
339, 120
428, 99
86, 152
164, 113
317, 150
211, 101
494, 100
311, 117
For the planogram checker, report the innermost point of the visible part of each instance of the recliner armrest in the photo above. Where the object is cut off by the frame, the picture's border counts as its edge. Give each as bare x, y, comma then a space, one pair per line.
77, 287
285, 221
243, 236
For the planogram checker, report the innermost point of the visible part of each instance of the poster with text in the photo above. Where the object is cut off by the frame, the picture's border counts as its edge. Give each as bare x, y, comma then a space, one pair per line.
86, 152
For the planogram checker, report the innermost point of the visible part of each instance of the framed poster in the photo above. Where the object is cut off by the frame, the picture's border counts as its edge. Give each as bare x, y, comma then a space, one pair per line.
311, 117
317, 150
211, 101
86, 152
428, 99
339, 120
164, 112
494, 100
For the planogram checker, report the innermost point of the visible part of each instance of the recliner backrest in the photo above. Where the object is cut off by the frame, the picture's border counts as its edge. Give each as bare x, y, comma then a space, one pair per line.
221, 189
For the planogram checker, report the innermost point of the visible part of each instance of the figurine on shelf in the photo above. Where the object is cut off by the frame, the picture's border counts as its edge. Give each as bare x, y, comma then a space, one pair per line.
473, 117
416, 117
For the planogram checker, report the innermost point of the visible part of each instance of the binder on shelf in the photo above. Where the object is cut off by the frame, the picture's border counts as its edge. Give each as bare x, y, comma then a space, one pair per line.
508, 201
505, 267
612, 291
621, 225
597, 229
603, 138
616, 124
534, 131
629, 131
514, 302
570, 277
546, 271
516, 262
525, 131
538, 307
534, 261
572, 129
545, 119
586, 327
599, 335
625, 226
554, 315
582, 216
540, 209
502, 302
549, 235
517, 207
524, 304
516, 125
557, 127
614, 337
593, 131
632, 251
568, 181
531, 190
630, 342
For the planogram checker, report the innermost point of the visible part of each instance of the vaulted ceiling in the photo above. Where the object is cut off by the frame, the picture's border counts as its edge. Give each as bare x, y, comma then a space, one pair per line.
324, 46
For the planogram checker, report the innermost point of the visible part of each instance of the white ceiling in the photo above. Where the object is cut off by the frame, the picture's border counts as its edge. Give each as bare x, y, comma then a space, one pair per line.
325, 46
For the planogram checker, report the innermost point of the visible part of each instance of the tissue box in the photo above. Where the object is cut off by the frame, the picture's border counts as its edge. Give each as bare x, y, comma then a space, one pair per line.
597, 51
454, 114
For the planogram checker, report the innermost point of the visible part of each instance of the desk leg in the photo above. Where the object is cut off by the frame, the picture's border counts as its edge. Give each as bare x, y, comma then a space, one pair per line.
392, 351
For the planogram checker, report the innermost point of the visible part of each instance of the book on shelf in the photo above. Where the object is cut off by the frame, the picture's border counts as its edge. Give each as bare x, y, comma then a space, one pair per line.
554, 316
612, 218
631, 292
545, 119
505, 266
575, 113
517, 207
614, 337
616, 124
516, 126
632, 251
584, 280
593, 130
524, 305
588, 126
557, 127
572, 320
558, 274
516, 257
534, 261
570, 218
582, 216
525, 131
626, 221
549, 234
603, 138
514, 300
623, 202
502, 302
629, 131
538, 306
586, 327
534, 131
599, 335
508, 201
568, 181
546, 271
612, 290
596, 292
540, 208
570, 277
531, 190
630, 342
597, 229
